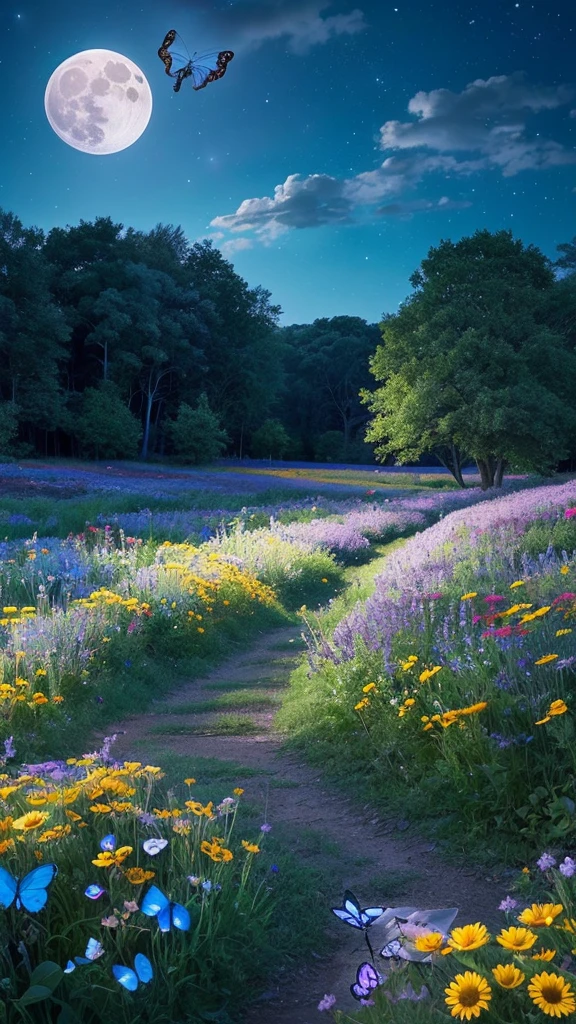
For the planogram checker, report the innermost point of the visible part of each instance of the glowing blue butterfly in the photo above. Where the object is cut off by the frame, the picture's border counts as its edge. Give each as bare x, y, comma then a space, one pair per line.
94, 891
129, 978
108, 843
29, 892
156, 904
367, 979
351, 913
93, 950
154, 846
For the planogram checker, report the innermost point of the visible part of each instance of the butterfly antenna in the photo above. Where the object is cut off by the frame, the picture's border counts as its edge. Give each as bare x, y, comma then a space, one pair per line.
180, 40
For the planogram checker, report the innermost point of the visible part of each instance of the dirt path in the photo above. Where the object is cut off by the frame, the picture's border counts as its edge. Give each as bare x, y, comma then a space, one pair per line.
375, 858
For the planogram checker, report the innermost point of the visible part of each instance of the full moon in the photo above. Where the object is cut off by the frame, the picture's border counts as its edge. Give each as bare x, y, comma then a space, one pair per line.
98, 101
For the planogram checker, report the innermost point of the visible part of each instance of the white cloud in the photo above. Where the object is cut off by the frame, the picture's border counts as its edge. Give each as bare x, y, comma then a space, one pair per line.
234, 245
484, 128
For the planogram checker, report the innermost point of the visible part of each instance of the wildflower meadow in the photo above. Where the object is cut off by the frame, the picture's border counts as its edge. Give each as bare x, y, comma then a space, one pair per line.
447, 694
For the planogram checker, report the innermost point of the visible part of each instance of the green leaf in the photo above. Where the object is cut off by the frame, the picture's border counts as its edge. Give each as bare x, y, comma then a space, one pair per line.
47, 973
35, 994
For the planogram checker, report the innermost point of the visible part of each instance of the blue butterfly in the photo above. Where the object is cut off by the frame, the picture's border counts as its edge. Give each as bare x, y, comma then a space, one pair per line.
129, 978
94, 891
352, 914
93, 950
108, 843
29, 892
156, 904
201, 68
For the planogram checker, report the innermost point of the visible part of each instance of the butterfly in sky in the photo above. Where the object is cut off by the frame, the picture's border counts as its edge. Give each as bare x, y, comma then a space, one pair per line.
129, 978
93, 950
201, 68
154, 846
30, 892
156, 904
351, 913
367, 979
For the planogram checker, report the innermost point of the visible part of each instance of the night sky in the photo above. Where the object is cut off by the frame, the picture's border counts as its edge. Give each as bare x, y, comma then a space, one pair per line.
345, 139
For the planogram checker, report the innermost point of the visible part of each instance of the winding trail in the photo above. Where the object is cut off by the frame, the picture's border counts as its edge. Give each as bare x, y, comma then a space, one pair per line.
292, 796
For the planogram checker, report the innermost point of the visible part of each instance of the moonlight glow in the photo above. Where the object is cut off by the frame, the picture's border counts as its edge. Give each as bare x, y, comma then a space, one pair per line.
98, 101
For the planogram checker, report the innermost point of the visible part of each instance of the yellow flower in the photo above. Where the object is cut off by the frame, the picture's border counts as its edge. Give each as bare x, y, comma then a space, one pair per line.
552, 994
6, 824
58, 699
199, 629
132, 766
100, 808
238, 791
469, 596
216, 852
564, 570
557, 707
6, 791
189, 782
428, 673
324, 580
30, 821
540, 914
36, 800
508, 976
250, 847
369, 687
364, 703
544, 954
137, 876
10, 610
431, 942
57, 832
470, 936
516, 939
545, 659
109, 859
468, 994
5, 845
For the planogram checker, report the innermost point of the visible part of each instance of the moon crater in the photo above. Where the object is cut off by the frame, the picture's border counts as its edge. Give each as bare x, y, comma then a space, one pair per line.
92, 102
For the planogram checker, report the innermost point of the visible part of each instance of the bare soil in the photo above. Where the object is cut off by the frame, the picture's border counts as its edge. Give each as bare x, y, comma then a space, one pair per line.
294, 796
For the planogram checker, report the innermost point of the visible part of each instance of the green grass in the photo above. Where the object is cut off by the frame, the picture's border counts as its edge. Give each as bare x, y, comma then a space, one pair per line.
224, 725
391, 885
357, 477
204, 769
234, 699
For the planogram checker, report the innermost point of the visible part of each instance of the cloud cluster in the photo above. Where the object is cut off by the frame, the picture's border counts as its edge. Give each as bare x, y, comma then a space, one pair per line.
455, 135
302, 23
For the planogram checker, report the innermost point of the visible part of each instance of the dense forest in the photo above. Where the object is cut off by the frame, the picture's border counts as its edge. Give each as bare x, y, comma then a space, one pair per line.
120, 343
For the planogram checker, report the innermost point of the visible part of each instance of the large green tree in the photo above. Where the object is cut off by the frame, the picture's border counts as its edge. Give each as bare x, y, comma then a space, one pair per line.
469, 367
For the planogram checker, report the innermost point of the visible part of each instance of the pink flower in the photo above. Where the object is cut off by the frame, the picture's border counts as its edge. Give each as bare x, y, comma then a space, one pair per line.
130, 906
492, 598
327, 1002
110, 922
570, 513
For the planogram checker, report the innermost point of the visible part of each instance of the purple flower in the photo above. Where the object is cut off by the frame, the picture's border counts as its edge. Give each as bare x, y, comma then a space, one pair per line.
147, 819
265, 828
327, 1002
546, 861
274, 869
568, 867
9, 748
508, 904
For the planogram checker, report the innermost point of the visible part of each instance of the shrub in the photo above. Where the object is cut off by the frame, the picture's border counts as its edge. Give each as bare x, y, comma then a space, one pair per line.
196, 433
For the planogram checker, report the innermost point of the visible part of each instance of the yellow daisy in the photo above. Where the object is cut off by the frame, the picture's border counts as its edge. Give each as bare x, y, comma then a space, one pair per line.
470, 936
468, 995
517, 939
508, 976
552, 994
540, 914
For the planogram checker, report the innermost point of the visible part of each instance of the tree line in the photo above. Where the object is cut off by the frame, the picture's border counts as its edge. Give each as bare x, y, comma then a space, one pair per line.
118, 343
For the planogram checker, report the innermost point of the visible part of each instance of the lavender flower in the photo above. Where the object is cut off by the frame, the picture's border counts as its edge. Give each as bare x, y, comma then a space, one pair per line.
9, 748
508, 904
265, 828
568, 867
327, 1002
546, 861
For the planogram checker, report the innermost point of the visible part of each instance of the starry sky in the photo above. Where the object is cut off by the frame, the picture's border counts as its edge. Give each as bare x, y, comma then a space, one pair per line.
347, 137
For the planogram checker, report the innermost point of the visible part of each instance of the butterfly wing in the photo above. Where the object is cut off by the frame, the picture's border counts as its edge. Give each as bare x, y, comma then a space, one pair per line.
94, 949
8, 888
180, 917
392, 950
143, 968
154, 903
209, 68
164, 52
126, 976
370, 914
94, 891
154, 846
367, 979
33, 889
350, 911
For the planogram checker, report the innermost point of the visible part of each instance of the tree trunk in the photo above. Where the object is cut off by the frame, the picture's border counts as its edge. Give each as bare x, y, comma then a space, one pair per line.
146, 438
486, 468
499, 473
450, 459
